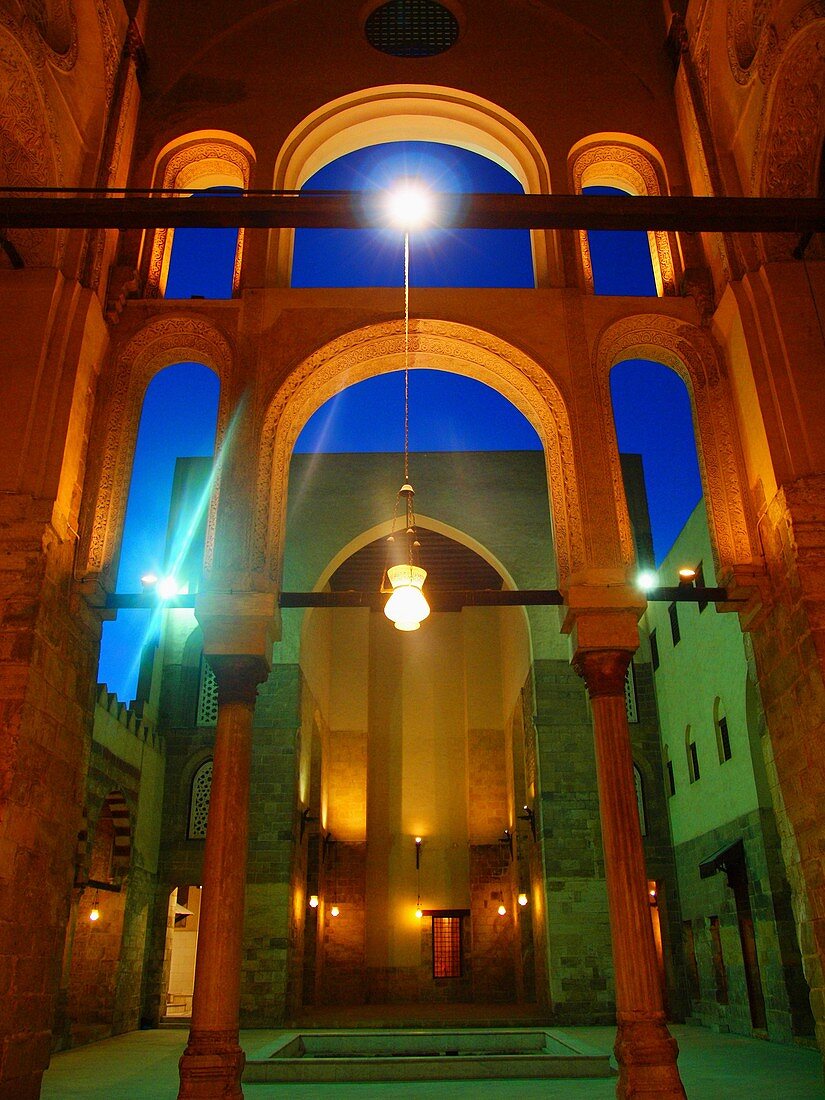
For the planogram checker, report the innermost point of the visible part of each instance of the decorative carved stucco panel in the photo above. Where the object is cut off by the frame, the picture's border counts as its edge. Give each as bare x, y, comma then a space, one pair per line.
436, 345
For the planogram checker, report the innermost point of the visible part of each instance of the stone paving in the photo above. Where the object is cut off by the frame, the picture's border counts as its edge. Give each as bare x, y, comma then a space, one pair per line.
143, 1066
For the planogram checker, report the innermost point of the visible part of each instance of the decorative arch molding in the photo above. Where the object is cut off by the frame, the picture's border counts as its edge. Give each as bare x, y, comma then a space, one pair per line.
792, 127
162, 342
691, 353
56, 25
29, 148
413, 112
746, 27
196, 161
631, 164
121, 820
437, 345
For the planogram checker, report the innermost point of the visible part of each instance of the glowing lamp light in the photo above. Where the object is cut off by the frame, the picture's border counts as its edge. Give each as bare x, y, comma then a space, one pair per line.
407, 606
313, 901
522, 899
168, 588
687, 575
647, 580
409, 205
149, 580
502, 911
334, 911
95, 914
419, 912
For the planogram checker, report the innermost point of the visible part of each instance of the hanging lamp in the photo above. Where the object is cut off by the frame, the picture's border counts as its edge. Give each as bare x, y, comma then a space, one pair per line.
407, 606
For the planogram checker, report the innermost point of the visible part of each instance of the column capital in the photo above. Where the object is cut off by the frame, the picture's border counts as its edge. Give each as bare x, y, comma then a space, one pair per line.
238, 676
603, 670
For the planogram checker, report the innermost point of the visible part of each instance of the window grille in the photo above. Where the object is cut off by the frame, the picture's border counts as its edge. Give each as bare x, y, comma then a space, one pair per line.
411, 28
693, 762
724, 740
207, 696
630, 695
446, 947
675, 632
199, 801
640, 799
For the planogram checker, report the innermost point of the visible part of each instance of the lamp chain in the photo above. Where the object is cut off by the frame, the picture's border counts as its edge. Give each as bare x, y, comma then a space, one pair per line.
406, 356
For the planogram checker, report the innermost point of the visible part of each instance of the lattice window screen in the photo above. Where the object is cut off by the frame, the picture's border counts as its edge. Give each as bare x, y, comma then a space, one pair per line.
446, 947
207, 696
640, 799
630, 695
199, 805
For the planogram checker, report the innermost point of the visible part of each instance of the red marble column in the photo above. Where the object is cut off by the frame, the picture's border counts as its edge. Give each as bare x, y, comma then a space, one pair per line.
212, 1063
645, 1049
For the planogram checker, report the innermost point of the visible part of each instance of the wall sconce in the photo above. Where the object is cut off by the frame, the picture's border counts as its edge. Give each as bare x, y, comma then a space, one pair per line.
502, 910
306, 818
95, 912
326, 846
528, 816
418, 911
507, 841
334, 911
313, 901
687, 576
522, 899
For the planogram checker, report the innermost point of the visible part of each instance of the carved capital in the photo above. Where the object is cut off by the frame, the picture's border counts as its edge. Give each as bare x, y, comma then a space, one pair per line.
238, 677
603, 670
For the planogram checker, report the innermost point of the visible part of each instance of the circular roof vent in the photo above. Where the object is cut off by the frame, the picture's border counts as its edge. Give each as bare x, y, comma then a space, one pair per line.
411, 28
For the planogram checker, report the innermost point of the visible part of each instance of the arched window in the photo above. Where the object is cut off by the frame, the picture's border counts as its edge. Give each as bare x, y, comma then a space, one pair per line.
207, 696
692, 754
640, 798
622, 164
200, 161
671, 778
720, 724
199, 801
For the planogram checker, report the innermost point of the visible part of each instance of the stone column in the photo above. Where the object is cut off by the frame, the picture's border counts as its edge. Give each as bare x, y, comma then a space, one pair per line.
212, 1063
645, 1050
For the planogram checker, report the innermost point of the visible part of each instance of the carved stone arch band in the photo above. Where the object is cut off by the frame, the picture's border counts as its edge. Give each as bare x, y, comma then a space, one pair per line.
194, 162
690, 352
621, 164
434, 344
161, 343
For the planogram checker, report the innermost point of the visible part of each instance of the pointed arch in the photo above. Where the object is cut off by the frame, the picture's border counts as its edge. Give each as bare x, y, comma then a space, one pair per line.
630, 164
437, 345
160, 343
691, 353
197, 161
413, 112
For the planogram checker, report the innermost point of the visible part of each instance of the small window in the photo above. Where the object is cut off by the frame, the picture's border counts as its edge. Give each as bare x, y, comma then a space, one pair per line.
654, 650
640, 798
630, 695
671, 780
699, 582
673, 612
207, 696
724, 739
446, 947
693, 762
199, 801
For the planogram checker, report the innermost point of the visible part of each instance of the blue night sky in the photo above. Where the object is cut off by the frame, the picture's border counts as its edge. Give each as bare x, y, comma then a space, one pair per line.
447, 412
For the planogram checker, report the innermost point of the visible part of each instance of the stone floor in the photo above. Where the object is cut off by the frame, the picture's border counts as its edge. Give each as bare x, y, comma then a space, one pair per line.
143, 1066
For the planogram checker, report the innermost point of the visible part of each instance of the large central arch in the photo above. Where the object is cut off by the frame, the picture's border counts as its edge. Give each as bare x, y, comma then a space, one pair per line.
437, 345
412, 112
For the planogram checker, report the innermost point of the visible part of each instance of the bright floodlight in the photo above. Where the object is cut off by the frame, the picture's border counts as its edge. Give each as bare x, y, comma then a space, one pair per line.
409, 205
646, 580
149, 580
168, 588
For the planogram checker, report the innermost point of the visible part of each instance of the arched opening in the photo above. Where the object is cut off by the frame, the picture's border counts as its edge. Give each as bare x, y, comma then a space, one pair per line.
413, 113
438, 257
166, 512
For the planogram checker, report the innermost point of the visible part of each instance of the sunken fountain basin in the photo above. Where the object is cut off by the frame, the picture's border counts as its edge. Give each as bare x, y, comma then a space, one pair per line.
425, 1055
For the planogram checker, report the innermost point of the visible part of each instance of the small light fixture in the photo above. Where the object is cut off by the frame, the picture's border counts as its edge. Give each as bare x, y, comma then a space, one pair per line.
407, 607
167, 588
502, 911
528, 816
334, 911
522, 899
409, 205
313, 901
647, 580
507, 841
149, 580
95, 911
419, 912
687, 576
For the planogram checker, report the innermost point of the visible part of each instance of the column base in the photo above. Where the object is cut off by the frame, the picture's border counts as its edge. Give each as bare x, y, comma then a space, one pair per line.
211, 1066
647, 1053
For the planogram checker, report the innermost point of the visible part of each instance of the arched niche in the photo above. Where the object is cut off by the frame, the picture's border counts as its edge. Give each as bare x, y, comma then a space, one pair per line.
437, 345
690, 352
633, 165
160, 343
196, 162
412, 112
792, 129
